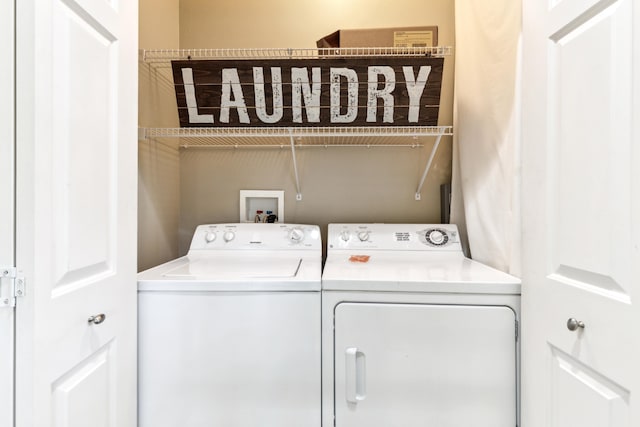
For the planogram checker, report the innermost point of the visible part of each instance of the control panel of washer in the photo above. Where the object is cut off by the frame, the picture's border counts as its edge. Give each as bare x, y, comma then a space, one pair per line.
415, 237
256, 236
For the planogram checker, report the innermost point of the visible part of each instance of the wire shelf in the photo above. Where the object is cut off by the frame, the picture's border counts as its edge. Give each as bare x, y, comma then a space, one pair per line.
302, 136
156, 56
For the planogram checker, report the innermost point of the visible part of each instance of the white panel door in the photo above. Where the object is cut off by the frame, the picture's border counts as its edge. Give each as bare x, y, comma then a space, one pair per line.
6, 209
76, 212
415, 365
581, 195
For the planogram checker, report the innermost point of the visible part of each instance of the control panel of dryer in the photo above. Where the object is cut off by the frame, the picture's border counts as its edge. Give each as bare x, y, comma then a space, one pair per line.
411, 237
256, 236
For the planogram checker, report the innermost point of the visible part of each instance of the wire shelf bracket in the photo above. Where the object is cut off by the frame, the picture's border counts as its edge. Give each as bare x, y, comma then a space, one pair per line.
434, 149
295, 167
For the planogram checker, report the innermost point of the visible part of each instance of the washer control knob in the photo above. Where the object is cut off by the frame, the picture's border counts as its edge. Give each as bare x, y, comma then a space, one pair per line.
363, 236
229, 236
296, 235
210, 236
345, 235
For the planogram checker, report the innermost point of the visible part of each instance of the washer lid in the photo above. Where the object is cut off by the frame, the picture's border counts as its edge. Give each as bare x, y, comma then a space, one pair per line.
407, 271
235, 268
226, 272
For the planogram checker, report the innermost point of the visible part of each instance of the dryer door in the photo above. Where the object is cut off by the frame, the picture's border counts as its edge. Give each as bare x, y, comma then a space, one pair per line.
418, 364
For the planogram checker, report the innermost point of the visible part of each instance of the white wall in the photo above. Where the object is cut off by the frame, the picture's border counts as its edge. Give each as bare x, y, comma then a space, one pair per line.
338, 184
158, 164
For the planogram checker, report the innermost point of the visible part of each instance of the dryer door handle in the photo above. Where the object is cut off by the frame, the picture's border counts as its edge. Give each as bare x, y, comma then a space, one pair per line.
355, 373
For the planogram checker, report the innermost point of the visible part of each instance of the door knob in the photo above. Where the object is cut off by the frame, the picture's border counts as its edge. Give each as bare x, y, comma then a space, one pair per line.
97, 319
574, 325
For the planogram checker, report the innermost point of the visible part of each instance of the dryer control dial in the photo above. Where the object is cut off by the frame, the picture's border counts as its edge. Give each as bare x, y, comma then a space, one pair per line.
345, 235
437, 237
210, 236
228, 236
296, 235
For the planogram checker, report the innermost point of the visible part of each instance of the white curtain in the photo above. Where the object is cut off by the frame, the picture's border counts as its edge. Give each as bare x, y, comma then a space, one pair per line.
485, 184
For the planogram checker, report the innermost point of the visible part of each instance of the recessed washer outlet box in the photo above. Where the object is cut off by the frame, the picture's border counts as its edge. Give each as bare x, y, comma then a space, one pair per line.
252, 201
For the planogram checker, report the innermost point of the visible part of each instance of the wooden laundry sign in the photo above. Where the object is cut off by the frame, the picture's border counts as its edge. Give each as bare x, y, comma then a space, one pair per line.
372, 91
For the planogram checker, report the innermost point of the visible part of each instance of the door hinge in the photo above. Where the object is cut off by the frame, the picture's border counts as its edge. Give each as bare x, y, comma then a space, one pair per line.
517, 330
15, 288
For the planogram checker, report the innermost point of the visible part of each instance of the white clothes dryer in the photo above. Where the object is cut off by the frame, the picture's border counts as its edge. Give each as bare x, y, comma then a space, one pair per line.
414, 333
229, 335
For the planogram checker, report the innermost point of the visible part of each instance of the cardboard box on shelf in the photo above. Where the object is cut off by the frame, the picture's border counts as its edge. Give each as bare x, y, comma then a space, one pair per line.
426, 36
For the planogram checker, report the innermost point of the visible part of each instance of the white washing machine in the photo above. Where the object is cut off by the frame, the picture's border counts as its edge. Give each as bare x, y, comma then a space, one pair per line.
415, 334
229, 335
